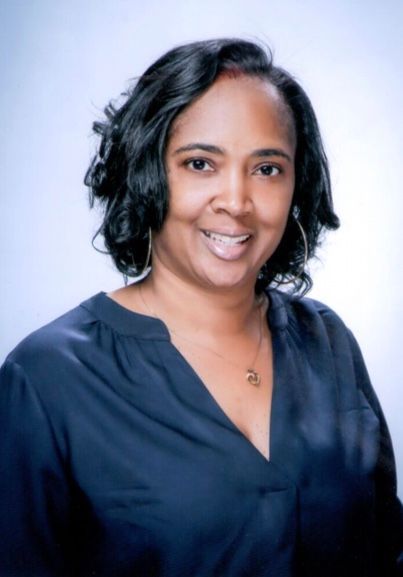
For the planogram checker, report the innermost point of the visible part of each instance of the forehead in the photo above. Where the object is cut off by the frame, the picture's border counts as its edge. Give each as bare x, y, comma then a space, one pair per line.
246, 106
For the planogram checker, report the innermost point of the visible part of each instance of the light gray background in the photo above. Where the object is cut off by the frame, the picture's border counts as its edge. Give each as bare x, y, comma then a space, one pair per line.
61, 61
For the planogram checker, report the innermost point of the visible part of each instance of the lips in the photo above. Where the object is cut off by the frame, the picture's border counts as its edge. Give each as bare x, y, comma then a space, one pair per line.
226, 246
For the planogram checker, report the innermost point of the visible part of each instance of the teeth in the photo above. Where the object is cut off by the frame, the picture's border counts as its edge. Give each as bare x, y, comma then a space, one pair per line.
227, 240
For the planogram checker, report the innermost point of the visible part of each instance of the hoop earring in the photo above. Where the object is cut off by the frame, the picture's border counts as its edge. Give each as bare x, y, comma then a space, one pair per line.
302, 268
303, 234
147, 261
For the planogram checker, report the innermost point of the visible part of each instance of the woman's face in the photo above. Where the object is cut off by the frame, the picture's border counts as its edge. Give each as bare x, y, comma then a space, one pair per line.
230, 170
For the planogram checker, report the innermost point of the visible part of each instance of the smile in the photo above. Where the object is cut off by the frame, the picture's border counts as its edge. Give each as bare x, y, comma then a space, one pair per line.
227, 240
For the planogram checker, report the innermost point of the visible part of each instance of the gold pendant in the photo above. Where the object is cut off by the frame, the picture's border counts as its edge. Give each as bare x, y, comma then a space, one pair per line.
253, 377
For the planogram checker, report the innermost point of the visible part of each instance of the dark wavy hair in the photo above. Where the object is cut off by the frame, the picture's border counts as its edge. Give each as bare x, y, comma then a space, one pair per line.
128, 173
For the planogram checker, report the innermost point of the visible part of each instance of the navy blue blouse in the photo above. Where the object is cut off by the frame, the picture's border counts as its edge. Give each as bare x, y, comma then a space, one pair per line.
116, 460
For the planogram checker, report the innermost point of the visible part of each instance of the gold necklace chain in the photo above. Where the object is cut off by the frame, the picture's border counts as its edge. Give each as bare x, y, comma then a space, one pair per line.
252, 376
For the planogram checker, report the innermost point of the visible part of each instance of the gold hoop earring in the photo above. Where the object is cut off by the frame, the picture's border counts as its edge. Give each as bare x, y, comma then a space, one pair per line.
306, 254
147, 261
303, 234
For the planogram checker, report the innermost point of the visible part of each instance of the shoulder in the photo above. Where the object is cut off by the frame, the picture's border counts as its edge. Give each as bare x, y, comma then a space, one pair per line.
65, 353
56, 338
58, 364
307, 315
318, 332
83, 349
321, 337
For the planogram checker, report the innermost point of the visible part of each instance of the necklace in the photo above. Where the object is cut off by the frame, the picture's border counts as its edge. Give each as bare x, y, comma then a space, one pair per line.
252, 376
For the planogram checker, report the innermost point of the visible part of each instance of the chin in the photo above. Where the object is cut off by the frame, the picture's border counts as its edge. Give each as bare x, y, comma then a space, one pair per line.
225, 281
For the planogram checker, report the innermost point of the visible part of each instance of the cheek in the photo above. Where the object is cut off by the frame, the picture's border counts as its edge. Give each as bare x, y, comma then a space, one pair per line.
185, 203
184, 211
274, 212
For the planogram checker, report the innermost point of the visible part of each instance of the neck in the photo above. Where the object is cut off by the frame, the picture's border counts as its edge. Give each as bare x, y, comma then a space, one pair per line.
184, 306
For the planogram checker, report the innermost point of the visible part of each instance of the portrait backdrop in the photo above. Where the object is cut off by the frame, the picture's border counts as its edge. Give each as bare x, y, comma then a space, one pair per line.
61, 62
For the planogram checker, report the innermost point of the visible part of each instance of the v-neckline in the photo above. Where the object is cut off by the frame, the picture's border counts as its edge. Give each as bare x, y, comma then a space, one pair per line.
216, 406
125, 321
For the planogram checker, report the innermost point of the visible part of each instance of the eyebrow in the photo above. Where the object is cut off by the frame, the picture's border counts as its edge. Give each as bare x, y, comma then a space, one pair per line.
200, 146
260, 152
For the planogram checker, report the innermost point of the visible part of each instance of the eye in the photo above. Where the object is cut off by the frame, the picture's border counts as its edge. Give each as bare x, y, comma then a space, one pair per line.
199, 165
267, 170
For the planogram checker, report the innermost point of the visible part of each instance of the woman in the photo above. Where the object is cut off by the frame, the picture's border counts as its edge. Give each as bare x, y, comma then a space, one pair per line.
199, 422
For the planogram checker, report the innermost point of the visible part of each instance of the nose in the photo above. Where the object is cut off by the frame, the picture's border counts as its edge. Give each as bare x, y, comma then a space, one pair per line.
233, 195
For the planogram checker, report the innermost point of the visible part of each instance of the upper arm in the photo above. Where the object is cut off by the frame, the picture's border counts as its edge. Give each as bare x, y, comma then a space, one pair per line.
388, 509
34, 500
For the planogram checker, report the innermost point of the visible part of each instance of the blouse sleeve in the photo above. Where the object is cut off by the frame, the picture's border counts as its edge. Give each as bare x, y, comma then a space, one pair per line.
389, 511
34, 501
